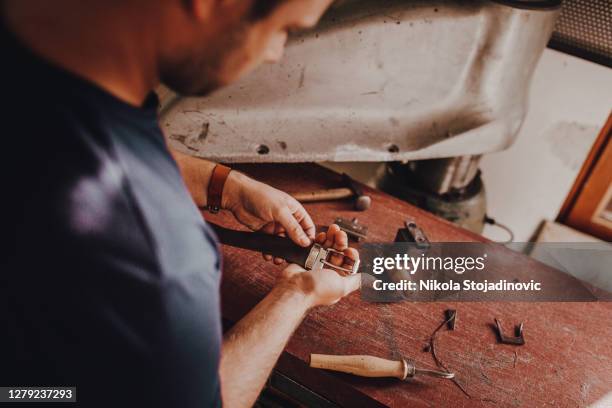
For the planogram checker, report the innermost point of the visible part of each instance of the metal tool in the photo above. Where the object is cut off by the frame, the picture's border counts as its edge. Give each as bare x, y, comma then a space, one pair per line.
517, 339
310, 258
354, 230
351, 189
412, 233
370, 366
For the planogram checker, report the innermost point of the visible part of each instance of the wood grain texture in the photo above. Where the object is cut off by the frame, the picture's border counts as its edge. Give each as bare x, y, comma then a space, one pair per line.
566, 361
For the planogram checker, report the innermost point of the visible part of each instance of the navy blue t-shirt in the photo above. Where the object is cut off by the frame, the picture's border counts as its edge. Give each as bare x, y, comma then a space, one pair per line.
110, 280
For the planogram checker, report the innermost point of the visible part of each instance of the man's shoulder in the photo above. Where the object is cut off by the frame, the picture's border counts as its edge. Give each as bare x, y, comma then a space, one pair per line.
60, 169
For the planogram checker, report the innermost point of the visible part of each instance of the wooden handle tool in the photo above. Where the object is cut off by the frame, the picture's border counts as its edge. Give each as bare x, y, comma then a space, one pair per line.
324, 195
350, 189
370, 366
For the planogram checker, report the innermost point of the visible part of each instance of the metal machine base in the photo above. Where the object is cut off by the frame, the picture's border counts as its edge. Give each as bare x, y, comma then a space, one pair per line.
463, 203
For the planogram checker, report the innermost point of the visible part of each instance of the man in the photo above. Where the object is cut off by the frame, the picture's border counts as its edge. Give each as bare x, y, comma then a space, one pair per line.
111, 283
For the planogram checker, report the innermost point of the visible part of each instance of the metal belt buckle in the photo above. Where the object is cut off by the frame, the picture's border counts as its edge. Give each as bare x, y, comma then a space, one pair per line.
318, 259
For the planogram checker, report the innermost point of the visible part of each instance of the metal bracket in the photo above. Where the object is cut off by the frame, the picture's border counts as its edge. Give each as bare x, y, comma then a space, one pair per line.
412, 233
353, 229
517, 339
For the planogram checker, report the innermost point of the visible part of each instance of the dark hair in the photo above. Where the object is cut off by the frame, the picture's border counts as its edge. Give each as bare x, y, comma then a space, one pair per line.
261, 9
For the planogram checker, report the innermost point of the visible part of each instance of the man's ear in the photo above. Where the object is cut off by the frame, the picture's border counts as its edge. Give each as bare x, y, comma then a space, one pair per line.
201, 10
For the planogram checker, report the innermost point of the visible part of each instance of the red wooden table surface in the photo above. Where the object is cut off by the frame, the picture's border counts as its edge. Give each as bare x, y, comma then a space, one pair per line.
566, 361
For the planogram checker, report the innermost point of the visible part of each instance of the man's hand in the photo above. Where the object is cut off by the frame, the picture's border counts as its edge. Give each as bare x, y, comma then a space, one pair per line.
253, 345
254, 204
262, 207
325, 286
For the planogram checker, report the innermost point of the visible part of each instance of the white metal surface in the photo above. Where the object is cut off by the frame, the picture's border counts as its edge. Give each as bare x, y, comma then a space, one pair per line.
376, 81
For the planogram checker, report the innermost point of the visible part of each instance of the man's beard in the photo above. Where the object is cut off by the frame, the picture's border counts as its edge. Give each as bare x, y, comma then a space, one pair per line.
201, 72
192, 77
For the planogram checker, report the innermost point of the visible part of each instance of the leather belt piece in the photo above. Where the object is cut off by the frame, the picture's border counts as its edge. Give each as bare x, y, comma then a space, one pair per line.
310, 258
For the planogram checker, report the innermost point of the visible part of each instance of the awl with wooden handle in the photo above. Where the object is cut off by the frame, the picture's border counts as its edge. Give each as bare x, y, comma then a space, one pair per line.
370, 366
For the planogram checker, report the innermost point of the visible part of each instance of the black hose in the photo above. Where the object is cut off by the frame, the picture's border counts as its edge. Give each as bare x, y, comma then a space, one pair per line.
492, 221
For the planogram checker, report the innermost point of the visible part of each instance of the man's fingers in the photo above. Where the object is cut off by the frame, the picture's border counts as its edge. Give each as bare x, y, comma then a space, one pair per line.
269, 228
331, 235
305, 221
345, 260
340, 241
351, 255
336, 259
320, 238
337, 239
293, 227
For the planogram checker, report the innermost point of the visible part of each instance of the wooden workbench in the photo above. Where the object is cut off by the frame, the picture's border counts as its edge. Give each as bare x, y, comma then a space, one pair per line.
566, 361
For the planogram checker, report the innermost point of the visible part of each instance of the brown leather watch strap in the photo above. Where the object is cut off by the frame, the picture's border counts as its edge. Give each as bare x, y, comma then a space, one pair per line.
215, 187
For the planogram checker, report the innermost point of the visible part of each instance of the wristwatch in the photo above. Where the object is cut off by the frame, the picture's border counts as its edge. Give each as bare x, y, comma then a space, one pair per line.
215, 187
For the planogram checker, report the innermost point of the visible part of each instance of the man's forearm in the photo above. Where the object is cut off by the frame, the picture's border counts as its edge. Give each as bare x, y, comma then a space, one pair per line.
252, 347
196, 174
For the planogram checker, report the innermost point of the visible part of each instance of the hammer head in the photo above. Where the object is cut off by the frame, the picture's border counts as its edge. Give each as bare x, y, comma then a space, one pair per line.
362, 201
